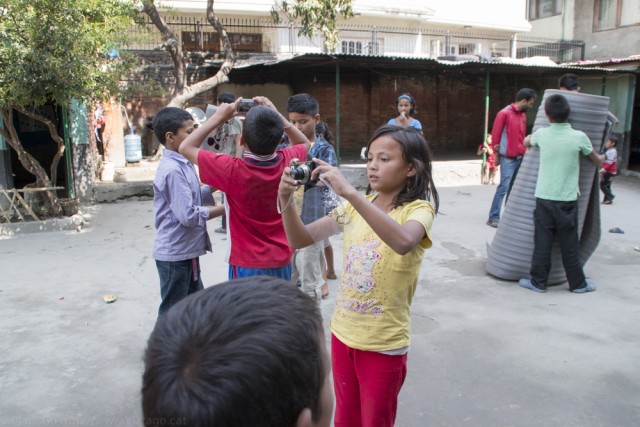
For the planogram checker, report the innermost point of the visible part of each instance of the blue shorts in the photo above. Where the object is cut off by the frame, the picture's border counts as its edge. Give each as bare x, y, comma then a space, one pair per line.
236, 272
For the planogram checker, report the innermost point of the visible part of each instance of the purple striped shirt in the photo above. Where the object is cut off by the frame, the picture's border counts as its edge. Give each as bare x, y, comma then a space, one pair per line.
180, 214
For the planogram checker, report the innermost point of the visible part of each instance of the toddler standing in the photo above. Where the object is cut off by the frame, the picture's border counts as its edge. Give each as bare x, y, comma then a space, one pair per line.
609, 169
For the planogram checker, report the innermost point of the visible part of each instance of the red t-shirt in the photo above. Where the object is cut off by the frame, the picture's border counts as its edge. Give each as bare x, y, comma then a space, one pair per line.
509, 130
256, 235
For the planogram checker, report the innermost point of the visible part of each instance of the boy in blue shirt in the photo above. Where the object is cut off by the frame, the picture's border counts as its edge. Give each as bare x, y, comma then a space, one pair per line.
556, 212
181, 214
304, 114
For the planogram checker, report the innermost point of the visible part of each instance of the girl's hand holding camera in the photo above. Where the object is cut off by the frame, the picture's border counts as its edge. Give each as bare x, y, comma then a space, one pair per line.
330, 176
327, 176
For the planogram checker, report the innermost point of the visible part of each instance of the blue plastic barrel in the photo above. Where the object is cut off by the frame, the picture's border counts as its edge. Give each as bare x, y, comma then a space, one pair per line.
132, 148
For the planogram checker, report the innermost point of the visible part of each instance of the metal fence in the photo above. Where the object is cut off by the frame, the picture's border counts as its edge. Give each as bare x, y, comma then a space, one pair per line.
263, 36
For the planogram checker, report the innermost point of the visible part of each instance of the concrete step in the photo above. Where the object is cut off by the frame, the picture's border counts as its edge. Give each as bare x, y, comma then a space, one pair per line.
137, 182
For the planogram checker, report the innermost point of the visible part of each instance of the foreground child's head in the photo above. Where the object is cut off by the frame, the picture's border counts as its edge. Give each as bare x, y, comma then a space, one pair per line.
171, 126
233, 355
416, 181
304, 113
262, 130
557, 109
612, 141
405, 103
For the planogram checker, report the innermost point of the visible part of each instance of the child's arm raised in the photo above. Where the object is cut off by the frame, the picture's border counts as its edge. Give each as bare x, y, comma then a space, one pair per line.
402, 238
190, 147
299, 235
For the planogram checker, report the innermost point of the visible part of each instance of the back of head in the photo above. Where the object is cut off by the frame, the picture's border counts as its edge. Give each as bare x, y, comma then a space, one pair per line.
557, 108
226, 97
526, 94
570, 82
169, 119
262, 130
416, 152
242, 353
303, 103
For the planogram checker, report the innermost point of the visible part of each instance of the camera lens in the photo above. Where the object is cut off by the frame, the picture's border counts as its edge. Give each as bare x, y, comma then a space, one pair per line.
302, 173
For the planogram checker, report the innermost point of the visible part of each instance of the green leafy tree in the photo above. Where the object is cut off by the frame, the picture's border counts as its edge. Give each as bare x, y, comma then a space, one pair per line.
54, 51
314, 16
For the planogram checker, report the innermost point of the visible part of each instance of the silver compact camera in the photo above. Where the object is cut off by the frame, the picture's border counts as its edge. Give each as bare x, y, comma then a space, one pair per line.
245, 105
301, 171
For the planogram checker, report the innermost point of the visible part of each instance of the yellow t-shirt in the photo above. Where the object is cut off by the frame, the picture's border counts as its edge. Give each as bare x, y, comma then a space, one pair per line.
373, 304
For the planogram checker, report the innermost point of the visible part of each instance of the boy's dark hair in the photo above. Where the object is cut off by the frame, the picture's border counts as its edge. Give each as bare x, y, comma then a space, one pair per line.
614, 138
303, 103
262, 130
169, 119
226, 97
526, 93
242, 353
416, 152
569, 81
557, 108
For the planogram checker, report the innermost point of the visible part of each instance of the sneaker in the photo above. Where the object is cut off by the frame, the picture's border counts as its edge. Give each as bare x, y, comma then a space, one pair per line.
493, 223
588, 287
221, 230
526, 283
606, 202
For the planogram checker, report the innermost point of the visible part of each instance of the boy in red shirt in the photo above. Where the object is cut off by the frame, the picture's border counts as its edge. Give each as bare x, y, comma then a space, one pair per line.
257, 242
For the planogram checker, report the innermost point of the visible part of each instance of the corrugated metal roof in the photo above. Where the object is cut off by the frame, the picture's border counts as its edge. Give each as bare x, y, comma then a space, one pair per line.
393, 61
630, 63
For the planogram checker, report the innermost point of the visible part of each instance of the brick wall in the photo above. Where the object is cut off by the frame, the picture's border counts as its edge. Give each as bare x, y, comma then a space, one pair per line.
450, 101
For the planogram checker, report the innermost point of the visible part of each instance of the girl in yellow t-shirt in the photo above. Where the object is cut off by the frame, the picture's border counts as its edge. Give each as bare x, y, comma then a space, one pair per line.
385, 235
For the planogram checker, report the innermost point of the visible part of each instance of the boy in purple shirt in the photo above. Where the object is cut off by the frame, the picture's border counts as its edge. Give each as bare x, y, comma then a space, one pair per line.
181, 212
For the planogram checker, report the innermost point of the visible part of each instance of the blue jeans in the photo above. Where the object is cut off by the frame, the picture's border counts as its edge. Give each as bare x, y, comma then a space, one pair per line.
508, 170
177, 280
236, 272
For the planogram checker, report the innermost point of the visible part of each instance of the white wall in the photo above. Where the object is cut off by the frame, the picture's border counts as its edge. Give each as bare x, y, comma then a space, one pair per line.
481, 14
506, 15
556, 27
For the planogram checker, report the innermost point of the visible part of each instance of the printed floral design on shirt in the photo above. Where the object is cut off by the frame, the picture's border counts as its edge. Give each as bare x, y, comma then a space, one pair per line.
358, 276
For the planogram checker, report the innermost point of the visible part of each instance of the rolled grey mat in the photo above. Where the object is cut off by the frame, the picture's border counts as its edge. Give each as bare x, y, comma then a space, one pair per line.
509, 254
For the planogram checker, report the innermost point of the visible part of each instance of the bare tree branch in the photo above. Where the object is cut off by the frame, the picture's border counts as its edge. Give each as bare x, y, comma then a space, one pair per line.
170, 44
182, 92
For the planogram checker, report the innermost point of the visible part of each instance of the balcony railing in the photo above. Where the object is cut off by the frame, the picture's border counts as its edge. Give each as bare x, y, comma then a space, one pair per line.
261, 36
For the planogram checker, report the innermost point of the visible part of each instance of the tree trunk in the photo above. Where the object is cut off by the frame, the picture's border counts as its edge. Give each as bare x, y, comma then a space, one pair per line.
182, 93
10, 134
54, 135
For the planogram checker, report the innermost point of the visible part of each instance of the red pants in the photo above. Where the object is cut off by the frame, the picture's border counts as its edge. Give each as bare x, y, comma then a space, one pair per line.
367, 385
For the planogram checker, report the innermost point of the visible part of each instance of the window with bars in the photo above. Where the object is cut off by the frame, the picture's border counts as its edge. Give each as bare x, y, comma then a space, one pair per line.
198, 41
544, 8
611, 14
351, 47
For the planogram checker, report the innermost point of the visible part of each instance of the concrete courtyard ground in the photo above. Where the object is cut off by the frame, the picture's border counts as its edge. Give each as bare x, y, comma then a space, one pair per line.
484, 352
